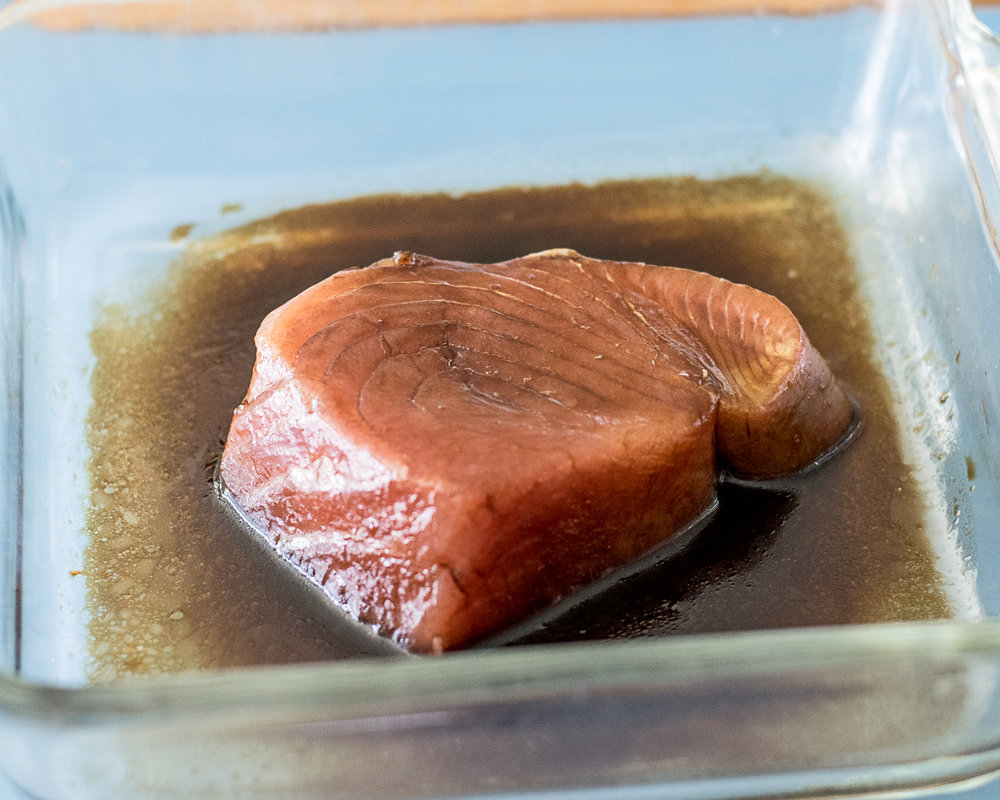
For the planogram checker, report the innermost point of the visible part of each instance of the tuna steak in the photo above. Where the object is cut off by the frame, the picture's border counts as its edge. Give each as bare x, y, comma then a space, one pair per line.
447, 448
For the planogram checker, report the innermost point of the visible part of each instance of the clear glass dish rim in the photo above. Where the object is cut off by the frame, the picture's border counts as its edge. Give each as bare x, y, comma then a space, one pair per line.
411, 684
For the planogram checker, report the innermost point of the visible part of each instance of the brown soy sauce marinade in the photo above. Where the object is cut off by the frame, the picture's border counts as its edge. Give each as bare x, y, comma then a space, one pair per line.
175, 583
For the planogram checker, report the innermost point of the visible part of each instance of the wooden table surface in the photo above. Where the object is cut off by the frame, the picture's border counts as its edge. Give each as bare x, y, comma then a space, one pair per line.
221, 15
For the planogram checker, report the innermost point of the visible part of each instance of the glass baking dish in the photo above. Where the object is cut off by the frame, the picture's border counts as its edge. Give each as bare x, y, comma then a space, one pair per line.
124, 123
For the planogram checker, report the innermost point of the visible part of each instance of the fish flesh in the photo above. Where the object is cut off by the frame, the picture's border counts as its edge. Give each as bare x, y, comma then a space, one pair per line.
447, 448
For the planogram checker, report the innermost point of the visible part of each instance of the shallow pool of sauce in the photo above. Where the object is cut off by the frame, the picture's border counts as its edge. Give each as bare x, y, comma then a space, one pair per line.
175, 583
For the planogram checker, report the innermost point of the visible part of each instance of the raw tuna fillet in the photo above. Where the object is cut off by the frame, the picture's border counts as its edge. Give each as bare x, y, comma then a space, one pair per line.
447, 448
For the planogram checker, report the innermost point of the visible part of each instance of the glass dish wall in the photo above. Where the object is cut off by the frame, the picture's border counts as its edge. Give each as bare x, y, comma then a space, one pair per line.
112, 137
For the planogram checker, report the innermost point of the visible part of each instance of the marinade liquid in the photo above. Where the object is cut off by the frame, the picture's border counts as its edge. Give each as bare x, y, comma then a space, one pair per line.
176, 583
